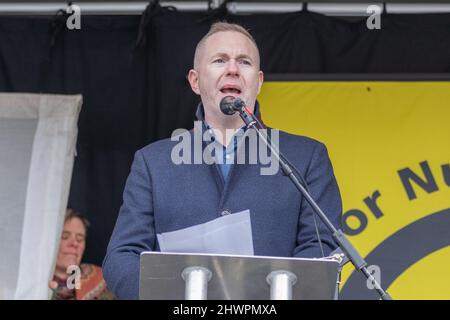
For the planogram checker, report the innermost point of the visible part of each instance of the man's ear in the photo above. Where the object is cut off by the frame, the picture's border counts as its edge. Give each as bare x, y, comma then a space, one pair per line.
193, 81
260, 80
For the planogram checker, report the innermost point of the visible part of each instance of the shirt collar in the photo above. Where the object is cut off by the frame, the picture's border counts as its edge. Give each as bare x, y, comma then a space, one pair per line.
200, 114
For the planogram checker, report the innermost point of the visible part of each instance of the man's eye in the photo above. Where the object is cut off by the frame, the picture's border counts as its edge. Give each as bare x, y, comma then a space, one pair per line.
246, 62
219, 60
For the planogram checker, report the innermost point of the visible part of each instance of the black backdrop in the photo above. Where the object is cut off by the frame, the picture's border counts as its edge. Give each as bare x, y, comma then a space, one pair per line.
132, 71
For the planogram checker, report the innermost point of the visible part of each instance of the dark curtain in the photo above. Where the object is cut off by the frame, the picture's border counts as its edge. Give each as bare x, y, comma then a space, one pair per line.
132, 72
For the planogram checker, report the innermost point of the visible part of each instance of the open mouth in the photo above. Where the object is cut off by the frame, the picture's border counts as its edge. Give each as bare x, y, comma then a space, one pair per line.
230, 90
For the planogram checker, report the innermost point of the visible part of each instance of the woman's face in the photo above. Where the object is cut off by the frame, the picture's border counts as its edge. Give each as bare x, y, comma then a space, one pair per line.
72, 245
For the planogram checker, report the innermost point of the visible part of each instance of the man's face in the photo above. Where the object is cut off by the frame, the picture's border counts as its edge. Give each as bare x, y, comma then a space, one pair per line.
228, 65
73, 241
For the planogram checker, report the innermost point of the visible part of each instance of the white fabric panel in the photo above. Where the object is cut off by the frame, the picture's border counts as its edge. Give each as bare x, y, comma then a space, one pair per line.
14, 166
47, 188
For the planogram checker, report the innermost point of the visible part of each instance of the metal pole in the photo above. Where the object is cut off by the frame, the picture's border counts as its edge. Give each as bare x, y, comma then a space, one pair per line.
413, 8
342, 9
137, 7
281, 282
196, 279
96, 8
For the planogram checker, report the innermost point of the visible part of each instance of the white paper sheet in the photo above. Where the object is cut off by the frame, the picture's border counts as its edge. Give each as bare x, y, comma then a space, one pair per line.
230, 234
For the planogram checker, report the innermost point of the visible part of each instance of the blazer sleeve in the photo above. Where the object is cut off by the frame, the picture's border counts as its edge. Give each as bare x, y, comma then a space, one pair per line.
324, 190
133, 233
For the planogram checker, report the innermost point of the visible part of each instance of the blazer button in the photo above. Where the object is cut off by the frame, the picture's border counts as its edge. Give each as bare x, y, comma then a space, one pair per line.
225, 212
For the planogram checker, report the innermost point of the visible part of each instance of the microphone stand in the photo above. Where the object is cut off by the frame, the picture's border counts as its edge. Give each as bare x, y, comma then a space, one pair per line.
338, 236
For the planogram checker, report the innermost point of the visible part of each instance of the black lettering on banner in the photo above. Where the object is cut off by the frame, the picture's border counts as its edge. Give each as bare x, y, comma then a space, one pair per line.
371, 203
362, 222
407, 175
446, 173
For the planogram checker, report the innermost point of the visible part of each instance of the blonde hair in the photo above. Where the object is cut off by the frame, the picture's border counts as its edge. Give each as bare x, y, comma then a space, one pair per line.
222, 27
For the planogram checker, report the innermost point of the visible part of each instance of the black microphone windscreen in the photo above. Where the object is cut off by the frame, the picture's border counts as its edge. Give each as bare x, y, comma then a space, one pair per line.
227, 105
238, 104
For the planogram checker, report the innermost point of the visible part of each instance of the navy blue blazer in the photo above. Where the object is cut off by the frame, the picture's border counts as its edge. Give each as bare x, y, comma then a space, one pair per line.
161, 196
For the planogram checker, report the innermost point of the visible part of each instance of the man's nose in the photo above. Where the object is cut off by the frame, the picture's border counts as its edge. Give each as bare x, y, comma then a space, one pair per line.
232, 68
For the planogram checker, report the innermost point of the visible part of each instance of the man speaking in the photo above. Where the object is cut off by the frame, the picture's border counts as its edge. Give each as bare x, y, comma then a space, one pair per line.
221, 204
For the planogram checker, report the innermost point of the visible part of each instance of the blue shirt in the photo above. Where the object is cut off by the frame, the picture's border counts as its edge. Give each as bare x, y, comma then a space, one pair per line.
226, 153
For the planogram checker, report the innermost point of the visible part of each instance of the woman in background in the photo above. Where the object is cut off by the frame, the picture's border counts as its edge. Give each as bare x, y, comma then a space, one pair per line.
91, 285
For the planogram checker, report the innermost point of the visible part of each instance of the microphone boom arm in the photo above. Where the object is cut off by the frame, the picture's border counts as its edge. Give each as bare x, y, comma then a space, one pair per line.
338, 235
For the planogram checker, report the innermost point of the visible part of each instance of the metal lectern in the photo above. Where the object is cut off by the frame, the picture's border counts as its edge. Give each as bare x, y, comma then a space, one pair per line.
180, 276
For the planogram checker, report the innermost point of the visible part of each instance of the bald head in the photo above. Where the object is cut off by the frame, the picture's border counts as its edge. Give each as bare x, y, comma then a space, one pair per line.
222, 27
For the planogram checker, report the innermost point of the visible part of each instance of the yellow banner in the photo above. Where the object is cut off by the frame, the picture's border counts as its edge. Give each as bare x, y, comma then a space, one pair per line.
389, 143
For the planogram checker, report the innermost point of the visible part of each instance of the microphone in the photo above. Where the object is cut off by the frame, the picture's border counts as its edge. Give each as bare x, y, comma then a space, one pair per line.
229, 105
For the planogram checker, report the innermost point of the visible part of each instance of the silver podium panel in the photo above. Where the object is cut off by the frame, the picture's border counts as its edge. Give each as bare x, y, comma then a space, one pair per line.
234, 277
